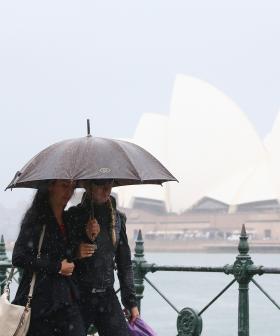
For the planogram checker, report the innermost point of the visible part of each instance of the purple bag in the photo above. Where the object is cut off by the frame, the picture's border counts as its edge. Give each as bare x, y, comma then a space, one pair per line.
140, 328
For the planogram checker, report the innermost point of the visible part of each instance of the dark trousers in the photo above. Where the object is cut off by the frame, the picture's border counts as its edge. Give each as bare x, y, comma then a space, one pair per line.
105, 312
64, 322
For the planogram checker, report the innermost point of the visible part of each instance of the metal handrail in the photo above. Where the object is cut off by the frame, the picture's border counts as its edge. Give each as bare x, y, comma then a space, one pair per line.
189, 322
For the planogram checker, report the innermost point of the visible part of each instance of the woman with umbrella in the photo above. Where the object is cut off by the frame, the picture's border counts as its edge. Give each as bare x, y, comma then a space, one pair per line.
107, 162
54, 303
94, 270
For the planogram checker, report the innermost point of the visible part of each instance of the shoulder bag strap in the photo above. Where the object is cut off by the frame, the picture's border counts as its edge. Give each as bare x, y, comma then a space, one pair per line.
32, 284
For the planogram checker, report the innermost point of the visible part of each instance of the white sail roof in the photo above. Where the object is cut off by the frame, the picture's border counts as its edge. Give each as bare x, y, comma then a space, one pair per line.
210, 139
211, 147
251, 185
272, 144
151, 134
259, 182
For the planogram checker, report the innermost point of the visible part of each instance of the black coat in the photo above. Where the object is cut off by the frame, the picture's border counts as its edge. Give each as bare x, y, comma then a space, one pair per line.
98, 271
52, 291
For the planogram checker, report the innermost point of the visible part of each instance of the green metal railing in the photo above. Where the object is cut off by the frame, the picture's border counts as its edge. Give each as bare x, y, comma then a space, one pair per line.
189, 321
5, 264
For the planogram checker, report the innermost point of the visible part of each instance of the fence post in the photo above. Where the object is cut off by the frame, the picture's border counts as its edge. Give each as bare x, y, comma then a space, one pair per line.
241, 273
138, 272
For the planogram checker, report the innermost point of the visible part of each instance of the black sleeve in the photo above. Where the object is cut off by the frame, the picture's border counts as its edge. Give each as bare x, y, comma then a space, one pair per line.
77, 218
124, 268
26, 249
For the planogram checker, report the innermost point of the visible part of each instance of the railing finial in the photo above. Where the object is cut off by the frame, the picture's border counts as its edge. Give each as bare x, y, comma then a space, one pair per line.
243, 246
3, 254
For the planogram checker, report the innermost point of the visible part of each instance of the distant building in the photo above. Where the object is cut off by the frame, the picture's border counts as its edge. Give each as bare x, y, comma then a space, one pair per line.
149, 205
261, 206
208, 205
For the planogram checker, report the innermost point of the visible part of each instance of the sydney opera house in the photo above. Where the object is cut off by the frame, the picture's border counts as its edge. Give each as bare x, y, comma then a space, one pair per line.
227, 174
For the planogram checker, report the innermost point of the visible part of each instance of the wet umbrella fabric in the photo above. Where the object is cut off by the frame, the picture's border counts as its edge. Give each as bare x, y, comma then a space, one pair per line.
92, 158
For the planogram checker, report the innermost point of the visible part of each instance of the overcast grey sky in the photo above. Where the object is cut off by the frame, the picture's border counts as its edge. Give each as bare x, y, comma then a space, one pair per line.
63, 61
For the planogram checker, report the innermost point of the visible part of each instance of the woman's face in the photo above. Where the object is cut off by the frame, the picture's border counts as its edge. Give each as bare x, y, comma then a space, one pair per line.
61, 191
101, 193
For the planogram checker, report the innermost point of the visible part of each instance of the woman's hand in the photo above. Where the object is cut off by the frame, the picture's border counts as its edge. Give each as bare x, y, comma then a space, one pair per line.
134, 313
86, 250
66, 268
92, 229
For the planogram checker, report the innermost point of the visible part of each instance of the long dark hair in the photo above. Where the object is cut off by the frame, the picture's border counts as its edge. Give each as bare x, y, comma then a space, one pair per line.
39, 207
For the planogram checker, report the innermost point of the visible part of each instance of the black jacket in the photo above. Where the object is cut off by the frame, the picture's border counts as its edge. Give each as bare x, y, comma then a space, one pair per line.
98, 271
52, 291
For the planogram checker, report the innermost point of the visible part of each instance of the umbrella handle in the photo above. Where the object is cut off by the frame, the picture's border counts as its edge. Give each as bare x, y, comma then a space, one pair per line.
91, 215
93, 238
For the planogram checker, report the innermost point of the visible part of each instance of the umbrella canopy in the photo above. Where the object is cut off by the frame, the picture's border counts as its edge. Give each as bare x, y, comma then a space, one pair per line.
92, 158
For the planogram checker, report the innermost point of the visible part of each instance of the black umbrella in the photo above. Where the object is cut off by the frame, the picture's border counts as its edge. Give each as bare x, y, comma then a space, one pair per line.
92, 158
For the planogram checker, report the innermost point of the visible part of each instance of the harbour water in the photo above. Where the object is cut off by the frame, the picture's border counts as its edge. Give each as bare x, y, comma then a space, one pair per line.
196, 290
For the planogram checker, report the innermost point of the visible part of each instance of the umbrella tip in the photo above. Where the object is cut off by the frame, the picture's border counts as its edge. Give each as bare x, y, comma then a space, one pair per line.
88, 128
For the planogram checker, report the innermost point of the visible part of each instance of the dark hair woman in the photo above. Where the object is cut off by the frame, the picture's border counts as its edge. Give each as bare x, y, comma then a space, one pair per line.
54, 303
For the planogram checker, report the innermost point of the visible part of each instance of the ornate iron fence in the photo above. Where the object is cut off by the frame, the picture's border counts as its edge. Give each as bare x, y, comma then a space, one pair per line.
189, 321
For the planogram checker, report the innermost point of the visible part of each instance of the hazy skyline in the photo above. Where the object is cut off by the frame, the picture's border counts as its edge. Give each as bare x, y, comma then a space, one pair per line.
111, 61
